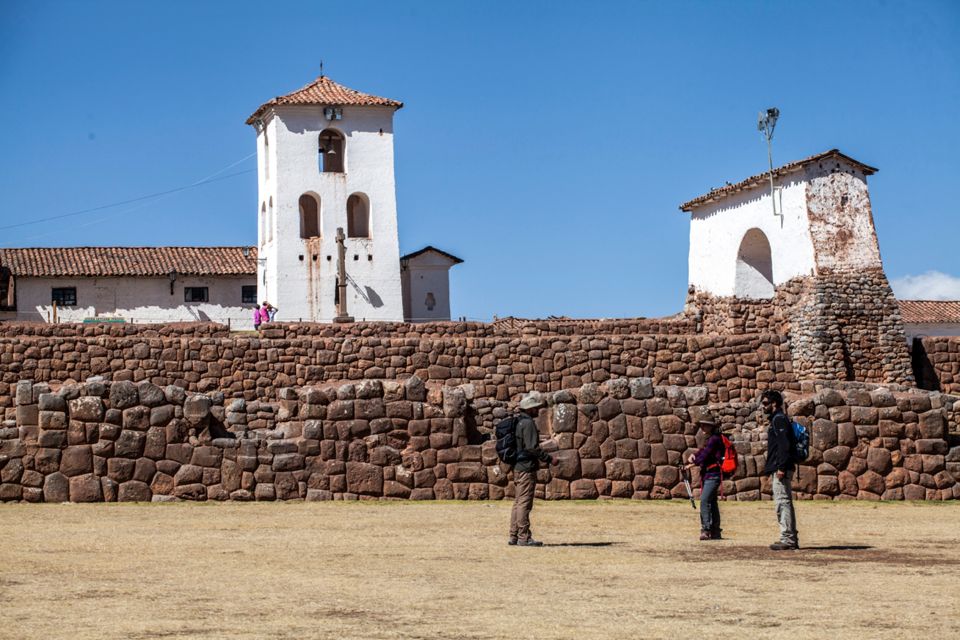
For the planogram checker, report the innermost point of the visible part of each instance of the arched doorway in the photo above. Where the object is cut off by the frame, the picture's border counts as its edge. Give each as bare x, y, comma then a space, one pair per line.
754, 276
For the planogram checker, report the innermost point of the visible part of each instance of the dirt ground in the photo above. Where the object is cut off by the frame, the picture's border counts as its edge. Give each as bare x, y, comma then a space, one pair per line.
443, 570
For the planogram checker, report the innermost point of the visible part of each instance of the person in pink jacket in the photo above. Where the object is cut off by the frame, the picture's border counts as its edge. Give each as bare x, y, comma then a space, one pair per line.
264, 312
256, 317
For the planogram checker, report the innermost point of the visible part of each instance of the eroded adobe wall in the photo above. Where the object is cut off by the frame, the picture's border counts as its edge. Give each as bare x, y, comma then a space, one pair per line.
103, 441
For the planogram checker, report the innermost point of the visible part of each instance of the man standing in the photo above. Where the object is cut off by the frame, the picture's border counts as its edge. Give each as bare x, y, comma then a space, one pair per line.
779, 467
709, 459
529, 457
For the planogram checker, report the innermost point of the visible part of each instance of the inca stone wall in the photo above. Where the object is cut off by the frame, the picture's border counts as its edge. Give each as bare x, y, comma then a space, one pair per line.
501, 365
106, 441
937, 363
841, 326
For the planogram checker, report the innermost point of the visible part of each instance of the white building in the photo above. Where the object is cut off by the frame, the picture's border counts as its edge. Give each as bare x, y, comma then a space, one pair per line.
425, 276
325, 161
133, 284
741, 246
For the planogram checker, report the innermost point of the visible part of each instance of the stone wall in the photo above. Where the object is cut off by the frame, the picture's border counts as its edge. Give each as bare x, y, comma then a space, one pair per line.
502, 367
841, 326
103, 441
937, 363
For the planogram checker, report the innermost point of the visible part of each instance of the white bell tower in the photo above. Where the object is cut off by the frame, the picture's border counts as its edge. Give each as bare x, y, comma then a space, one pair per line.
325, 161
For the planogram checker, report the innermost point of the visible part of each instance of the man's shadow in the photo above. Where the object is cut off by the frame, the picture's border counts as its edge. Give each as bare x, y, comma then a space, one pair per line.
581, 544
838, 547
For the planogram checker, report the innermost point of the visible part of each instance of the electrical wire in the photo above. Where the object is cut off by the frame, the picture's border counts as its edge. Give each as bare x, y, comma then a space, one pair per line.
203, 181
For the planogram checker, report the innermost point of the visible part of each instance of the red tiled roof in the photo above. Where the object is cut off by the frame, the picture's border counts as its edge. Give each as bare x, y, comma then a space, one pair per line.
752, 181
427, 248
323, 90
929, 311
129, 261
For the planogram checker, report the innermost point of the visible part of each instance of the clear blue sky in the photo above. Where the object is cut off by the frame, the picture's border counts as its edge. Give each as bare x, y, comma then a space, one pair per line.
546, 143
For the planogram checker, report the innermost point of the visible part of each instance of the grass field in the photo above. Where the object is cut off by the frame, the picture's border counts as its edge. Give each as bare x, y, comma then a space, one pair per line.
613, 569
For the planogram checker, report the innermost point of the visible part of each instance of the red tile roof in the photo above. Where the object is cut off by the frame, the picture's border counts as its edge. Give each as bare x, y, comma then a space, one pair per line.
129, 261
929, 311
752, 181
325, 91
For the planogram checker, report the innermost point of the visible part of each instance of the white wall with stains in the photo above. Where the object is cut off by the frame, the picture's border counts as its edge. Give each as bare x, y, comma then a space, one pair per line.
826, 226
136, 299
426, 287
296, 275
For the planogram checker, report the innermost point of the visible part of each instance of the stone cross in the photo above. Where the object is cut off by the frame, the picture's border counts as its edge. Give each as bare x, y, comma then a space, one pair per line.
341, 279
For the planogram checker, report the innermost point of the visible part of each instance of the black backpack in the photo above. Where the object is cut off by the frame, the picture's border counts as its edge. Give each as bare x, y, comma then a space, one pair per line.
507, 449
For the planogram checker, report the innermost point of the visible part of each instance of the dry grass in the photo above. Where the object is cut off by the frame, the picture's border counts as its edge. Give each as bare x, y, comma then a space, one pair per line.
443, 570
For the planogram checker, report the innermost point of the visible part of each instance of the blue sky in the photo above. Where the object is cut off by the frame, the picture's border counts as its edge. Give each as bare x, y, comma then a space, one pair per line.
546, 143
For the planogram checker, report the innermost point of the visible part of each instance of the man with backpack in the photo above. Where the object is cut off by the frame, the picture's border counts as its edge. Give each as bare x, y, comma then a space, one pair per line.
781, 444
710, 458
518, 444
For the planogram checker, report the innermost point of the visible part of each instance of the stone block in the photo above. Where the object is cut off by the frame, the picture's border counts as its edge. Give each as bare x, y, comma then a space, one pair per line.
134, 491
86, 408
76, 460
85, 488
56, 488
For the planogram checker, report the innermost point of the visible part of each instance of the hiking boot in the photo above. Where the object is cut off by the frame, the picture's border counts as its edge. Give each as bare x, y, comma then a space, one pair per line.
512, 542
529, 543
715, 535
706, 535
784, 546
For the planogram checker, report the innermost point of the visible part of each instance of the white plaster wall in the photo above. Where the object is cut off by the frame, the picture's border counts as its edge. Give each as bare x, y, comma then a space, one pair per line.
141, 300
299, 276
716, 230
914, 330
427, 273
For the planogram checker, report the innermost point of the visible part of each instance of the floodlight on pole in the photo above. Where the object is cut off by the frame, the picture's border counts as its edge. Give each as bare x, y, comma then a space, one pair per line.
766, 122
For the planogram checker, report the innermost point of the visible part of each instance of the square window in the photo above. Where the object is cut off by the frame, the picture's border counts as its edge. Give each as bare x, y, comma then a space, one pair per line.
195, 294
64, 296
249, 294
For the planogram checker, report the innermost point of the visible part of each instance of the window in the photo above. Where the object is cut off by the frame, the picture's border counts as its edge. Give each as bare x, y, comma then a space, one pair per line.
753, 277
270, 221
263, 224
197, 294
309, 216
358, 216
7, 296
64, 296
330, 151
266, 156
248, 294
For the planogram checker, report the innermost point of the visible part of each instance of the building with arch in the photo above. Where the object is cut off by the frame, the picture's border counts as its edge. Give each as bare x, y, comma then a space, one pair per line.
801, 259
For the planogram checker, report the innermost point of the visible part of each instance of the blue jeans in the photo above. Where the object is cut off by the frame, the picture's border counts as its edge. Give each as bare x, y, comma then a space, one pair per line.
709, 510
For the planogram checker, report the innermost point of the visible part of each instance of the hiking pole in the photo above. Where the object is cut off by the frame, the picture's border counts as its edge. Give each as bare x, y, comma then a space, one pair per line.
686, 483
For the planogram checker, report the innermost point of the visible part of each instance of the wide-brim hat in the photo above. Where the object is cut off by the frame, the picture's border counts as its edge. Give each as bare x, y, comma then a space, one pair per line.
708, 421
532, 400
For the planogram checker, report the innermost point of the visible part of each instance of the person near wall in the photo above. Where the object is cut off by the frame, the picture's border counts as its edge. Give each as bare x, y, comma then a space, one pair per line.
709, 458
265, 312
271, 312
779, 466
525, 470
256, 317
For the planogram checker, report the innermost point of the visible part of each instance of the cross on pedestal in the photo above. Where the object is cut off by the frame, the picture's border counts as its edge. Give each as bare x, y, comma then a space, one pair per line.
342, 279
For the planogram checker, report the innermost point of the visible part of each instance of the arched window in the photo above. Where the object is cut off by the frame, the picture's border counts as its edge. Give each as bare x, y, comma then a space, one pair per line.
331, 151
270, 220
358, 216
263, 223
754, 277
266, 156
309, 216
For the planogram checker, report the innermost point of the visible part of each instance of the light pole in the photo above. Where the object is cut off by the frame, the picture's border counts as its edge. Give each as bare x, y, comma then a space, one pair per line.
766, 122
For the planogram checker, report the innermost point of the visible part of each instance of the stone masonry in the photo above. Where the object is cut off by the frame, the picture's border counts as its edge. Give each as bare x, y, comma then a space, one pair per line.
404, 439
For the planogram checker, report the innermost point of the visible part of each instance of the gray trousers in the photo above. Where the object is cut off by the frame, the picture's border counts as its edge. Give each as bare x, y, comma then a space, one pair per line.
783, 499
709, 510
525, 484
